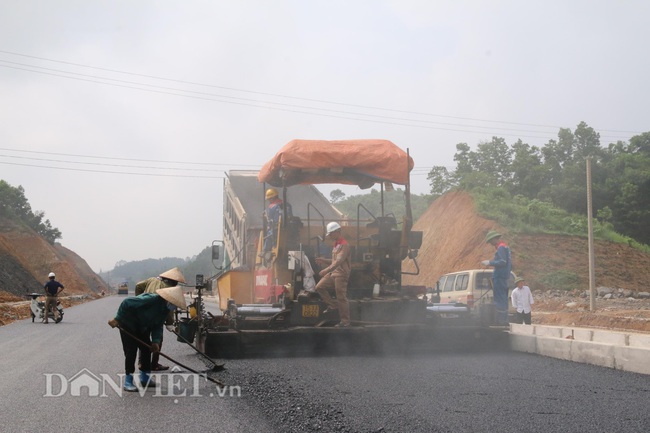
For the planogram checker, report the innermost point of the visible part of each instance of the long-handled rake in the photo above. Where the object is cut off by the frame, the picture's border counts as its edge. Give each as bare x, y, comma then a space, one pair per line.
170, 358
215, 366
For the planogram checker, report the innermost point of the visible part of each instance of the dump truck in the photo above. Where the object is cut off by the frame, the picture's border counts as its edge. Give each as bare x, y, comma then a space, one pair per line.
266, 295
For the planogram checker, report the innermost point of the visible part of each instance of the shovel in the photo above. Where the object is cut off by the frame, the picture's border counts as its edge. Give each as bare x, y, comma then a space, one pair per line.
169, 358
215, 366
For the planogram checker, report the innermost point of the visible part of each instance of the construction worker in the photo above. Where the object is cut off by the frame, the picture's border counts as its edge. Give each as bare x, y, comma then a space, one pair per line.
169, 278
143, 316
52, 290
273, 213
502, 266
336, 274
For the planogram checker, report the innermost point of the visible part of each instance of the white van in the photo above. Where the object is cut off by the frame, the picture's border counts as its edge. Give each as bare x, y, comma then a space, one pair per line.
472, 287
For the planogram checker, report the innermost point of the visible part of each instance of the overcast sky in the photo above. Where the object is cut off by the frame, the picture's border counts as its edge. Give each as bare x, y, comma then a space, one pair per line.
119, 118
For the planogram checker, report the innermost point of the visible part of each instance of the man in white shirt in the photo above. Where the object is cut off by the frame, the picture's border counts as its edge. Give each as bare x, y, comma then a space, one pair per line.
522, 299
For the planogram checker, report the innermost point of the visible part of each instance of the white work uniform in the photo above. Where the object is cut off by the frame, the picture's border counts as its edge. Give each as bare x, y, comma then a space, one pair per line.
522, 299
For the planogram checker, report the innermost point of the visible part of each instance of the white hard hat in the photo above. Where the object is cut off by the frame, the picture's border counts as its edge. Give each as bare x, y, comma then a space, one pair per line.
332, 227
51, 275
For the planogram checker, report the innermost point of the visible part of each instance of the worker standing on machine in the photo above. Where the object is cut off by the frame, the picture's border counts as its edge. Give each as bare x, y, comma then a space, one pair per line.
272, 215
502, 264
336, 275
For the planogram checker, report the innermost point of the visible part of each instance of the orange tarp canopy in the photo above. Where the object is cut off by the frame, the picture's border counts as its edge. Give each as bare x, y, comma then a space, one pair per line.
352, 162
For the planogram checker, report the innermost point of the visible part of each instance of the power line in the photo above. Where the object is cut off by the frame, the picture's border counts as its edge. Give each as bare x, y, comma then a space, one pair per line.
111, 172
278, 95
105, 165
127, 159
322, 112
255, 103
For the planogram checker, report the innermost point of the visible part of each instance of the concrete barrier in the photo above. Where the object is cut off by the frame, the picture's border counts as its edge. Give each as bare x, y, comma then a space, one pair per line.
626, 351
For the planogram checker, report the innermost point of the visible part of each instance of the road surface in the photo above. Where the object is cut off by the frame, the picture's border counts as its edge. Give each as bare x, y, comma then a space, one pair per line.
60, 378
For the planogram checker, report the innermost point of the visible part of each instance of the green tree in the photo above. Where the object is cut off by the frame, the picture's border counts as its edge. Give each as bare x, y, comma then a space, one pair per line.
528, 173
556, 174
462, 157
14, 205
557, 154
494, 158
440, 180
336, 196
626, 187
640, 144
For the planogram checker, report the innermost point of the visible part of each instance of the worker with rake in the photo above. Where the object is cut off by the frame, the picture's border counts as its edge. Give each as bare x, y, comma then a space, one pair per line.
140, 320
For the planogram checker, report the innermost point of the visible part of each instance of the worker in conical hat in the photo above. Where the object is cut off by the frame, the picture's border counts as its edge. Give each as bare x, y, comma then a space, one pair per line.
143, 317
173, 275
173, 295
169, 278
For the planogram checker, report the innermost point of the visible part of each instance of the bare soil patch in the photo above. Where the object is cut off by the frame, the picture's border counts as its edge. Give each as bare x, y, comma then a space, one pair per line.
621, 314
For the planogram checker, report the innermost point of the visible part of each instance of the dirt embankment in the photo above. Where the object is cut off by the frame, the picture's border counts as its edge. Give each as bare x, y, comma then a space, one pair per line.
556, 267
25, 261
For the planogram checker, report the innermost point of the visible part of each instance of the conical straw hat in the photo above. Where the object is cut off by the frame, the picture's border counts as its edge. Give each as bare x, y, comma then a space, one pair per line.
173, 274
173, 295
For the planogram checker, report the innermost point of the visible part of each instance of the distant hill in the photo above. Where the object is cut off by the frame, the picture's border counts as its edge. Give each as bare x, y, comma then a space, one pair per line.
135, 271
139, 270
26, 259
454, 240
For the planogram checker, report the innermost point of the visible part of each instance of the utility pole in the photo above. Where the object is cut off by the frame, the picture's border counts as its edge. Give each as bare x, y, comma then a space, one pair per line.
590, 229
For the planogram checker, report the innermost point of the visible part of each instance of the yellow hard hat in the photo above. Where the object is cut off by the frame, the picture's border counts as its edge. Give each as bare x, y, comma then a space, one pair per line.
271, 192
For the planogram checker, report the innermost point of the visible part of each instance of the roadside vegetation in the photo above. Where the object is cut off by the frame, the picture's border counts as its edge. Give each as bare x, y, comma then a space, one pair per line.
532, 189
523, 215
15, 206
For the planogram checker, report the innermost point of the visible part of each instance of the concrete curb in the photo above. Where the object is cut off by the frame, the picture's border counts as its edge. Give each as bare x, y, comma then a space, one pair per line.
625, 351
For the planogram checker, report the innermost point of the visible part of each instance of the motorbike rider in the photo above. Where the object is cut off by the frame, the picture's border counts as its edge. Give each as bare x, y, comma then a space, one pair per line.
52, 290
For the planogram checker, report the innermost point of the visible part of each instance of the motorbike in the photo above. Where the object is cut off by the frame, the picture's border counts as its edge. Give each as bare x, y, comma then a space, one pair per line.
37, 308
